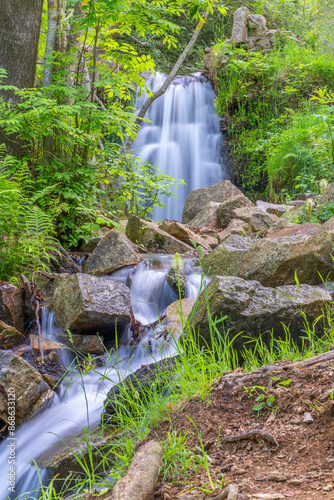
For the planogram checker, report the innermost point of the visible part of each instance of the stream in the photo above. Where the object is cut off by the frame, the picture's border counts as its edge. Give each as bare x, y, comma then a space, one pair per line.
183, 140
70, 412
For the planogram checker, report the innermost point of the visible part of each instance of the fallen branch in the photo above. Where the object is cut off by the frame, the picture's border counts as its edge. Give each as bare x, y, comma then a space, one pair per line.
254, 434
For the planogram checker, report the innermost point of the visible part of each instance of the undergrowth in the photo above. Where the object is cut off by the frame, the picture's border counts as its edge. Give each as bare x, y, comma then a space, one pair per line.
138, 410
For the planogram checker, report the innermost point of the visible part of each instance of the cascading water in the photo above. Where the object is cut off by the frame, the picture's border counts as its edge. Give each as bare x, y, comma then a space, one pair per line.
183, 139
76, 407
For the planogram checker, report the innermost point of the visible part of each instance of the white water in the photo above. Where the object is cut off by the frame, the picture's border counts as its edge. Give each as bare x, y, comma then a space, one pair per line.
70, 412
183, 139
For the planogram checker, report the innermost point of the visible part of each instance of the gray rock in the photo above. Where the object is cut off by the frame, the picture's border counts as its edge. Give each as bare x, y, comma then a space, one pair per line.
9, 336
274, 262
239, 31
185, 234
113, 252
172, 321
207, 217
152, 238
257, 220
198, 198
225, 210
272, 208
84, 344
227, 258
177, 281
236, 226
253, 309
140, 382
62, 262
258, 24
32, 394
87, 304
11, 306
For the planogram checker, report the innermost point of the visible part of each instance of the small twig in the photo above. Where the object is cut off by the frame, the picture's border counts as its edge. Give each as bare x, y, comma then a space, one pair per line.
255, 434
138, 41
36, 301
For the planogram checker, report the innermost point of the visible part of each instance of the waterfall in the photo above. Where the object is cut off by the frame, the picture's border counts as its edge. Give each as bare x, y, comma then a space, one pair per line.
182, 139
81, 404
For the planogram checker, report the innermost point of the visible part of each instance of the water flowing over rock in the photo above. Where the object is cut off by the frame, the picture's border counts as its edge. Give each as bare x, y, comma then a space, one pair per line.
87, 304
274, 261
148, 235
254, 309
113, 252
183, 138
32, 394
225, 210
199, 198
177, 281
11, 306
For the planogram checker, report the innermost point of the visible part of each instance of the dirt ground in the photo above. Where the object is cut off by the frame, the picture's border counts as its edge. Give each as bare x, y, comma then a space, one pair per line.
302, 423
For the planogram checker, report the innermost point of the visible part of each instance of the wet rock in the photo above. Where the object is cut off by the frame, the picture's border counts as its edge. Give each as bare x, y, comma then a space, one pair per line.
225, 210
140, 481
52, 370
140, 382
253, 309
173, 322
177, 281
236, 226
257, 220
32, 394
84, 344
274, 261
183, 233
153, 239
87, 304
62, 262
113, 252
11, 306
61, 459
9, 336
47, 345
199, 198
227, 258
239, 31
207, 217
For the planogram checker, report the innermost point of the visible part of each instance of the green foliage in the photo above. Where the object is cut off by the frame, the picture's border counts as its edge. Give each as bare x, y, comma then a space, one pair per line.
263, 400
276, 132
26, 232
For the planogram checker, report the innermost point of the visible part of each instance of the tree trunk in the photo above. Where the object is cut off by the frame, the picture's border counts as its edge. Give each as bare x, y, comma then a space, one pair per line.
20, 22
50, 41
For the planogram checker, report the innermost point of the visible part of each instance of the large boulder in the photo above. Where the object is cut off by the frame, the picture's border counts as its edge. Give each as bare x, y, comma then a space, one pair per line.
152, 238
20, 382
253, 309
185, 234
227, 258
11, 306
236, 226
62, 262
257, 220
239, 31
138, 385
207, 217
86, 304
9, 336
198, 198
275, 261
225, 210
113, 252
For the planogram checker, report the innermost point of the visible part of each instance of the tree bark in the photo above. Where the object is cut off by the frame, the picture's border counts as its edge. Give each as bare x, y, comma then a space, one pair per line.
50, 41
20, 22
170, 77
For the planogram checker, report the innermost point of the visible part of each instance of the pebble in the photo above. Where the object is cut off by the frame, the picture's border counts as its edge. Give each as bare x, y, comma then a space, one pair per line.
307, 418
328, 487
295, 482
